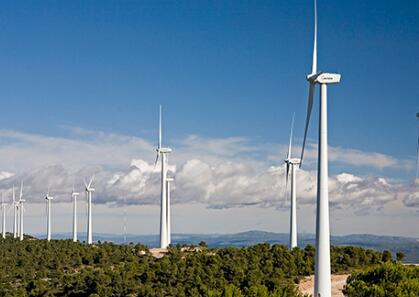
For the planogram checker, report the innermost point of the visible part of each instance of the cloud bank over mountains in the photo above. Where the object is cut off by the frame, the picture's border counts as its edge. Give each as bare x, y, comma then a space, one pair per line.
220, 173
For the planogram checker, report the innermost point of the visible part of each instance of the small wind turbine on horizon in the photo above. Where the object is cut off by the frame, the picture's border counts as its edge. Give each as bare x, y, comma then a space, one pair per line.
322, 277
15, 205
162, 155
3, 209
89, 190
417, 151
48, 199
22, 210
292, 164
74, 196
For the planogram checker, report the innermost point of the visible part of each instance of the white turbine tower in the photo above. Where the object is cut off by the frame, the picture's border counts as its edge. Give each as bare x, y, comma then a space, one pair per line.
89, 190
48, 199
15, 205
322, 282
162, 154
169, 219
74, 196
21, 208
292, 164
3, 224
417, 152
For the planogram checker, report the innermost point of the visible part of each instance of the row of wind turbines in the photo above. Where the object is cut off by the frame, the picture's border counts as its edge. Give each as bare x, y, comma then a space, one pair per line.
19, 209
165, 213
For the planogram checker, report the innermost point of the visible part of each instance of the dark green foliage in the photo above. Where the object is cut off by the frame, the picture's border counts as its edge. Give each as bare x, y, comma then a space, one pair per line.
64, 268
387, 279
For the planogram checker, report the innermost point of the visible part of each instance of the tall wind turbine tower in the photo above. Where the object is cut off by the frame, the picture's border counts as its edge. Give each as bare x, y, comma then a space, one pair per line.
322, 281
21, 208
89, 190
74, 196
3, 208
291, 165
15, 205
169, 180
162, 154
417, 152
48, 199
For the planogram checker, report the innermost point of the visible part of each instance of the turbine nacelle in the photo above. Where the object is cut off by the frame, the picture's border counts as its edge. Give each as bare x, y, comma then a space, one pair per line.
324, 78
293, 161
169, 179
164, 150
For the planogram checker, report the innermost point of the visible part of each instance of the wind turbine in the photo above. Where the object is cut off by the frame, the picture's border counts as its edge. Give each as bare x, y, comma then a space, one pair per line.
291, 164
48, 199
74, 196
162, 154
417, 152
21, 208
169, 219
89, 190
322, 281
3, 208
15, 205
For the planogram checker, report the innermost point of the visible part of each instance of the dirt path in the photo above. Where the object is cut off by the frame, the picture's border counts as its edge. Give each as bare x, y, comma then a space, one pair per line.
306, 286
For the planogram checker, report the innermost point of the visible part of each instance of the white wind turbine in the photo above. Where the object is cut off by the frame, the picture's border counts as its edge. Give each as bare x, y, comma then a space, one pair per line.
3, 208
169, 180
417, 152
292, 164
74, 196
89, 190
15, 205
48, 199
162, 154
322, 281
21, 208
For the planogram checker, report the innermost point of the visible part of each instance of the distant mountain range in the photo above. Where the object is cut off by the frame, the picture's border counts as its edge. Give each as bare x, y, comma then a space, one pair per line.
409, 246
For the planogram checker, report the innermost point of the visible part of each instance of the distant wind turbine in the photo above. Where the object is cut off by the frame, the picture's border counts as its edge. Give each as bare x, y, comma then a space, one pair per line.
169, 180
22, 210
417, 151
74, 196
48, 199
89, 190
15, 205
162, 154
322, 281
292, 164
3, 208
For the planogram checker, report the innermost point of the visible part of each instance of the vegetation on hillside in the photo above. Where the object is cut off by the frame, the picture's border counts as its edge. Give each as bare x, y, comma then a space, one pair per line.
63, 268
387, 279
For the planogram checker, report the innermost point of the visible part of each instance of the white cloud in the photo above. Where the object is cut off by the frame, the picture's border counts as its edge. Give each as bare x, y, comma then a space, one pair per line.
220, 173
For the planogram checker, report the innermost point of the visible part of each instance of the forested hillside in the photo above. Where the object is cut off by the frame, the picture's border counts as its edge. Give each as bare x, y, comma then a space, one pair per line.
388, 279
63, 268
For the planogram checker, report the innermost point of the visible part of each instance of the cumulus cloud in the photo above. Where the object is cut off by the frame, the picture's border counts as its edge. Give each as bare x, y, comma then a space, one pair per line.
221, 173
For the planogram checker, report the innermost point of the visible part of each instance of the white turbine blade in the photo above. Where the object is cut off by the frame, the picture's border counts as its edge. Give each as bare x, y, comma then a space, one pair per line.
157, 159
85, 184
314, 65
14, 194
91, 180
290, 144
309, 108
287, 169
160, 128
21, 190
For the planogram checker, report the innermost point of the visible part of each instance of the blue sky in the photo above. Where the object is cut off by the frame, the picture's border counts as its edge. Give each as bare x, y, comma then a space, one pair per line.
221, 70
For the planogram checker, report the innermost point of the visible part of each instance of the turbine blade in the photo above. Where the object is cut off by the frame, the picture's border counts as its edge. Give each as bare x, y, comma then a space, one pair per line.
286, 179
314, 65
85, 184
309, 108
21, 190
157, 159
290, 144
160, 128
91, 180
14, 194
